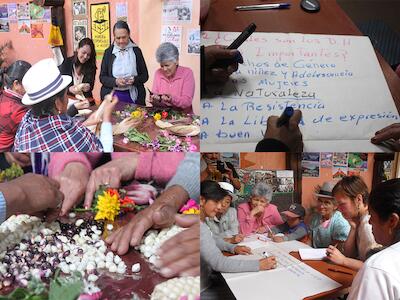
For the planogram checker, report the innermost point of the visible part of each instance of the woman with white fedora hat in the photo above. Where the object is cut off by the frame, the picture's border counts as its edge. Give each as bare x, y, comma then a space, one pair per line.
47, 127
327, 225
225, 224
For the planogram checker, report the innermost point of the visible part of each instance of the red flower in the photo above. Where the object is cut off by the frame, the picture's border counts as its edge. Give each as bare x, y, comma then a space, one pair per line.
164, 114
127, 204
112, 192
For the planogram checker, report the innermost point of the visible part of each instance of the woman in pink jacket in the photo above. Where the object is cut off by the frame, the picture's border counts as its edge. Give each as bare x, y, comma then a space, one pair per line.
173, 85
258, 215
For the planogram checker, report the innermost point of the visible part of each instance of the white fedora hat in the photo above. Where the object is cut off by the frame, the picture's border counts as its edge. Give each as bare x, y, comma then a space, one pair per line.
229, 188
42, 81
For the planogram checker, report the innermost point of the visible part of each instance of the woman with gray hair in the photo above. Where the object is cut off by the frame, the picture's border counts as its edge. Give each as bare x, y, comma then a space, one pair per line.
173, 85
258, 215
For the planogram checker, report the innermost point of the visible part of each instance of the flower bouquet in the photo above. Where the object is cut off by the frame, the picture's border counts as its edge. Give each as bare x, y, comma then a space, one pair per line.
164, 142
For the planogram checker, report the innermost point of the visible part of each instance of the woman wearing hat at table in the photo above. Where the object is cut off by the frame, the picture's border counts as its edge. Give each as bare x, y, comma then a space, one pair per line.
294, 227
351, 194
257, 215
11, 108
123, 68
82, 68
173, 85
379, 278
327, 225
46, 127
225, 224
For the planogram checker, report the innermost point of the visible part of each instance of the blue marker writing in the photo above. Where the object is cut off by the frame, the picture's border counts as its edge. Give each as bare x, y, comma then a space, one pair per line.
285, 117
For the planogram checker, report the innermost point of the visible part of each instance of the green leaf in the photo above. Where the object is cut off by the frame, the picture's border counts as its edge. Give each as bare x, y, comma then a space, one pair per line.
65, 289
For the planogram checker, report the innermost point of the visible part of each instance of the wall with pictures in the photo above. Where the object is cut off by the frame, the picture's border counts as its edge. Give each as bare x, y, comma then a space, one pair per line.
145, 20
326, 174
260, 160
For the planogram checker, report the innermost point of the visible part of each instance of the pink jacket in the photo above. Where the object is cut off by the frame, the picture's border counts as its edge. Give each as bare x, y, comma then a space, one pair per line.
249, 224
180, 87
157, 166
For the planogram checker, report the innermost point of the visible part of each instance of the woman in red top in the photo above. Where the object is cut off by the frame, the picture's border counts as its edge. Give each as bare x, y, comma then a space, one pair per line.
11, 109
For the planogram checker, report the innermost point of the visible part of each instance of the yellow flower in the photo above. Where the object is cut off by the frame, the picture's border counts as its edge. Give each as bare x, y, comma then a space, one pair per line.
136, 114
107, 207
157, 116
192, 211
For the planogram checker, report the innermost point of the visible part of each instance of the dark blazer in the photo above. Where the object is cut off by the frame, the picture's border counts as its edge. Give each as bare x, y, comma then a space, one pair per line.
108, 80
66, 69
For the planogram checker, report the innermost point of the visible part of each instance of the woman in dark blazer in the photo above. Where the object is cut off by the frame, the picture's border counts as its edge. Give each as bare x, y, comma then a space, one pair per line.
123, 68
82, 68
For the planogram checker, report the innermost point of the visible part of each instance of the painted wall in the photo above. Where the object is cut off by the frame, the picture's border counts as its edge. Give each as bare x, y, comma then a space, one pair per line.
308, 183
144, 18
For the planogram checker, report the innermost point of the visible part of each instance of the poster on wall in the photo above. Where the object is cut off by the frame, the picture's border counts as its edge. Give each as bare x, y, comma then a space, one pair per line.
4, 25
121, 11
177, 11
310, 164
12, 12
3, 11
37, 30
172, 34
23, 11
24, 26
339, 159
79, 31
326, 160
47, 15
358, 160
339, 172
193, 41
100, 27
36, 12
79, 8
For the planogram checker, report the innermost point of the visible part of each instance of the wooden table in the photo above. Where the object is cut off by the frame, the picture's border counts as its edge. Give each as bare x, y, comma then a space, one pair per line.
322, 266
147, 126
331, 19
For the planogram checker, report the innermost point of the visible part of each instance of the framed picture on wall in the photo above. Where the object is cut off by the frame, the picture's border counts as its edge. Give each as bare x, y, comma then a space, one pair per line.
79, 8
79, 31
100, 27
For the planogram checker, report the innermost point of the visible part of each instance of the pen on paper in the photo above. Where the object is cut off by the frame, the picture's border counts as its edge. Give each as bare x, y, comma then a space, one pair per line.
339, 271
263, 6
269, 229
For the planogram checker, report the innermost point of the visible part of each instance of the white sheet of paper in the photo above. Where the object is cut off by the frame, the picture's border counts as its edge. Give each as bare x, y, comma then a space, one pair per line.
292, 283
291, 246
343, 95
312, 254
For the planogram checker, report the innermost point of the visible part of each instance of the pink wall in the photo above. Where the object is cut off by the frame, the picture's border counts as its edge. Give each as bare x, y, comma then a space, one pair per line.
144, 18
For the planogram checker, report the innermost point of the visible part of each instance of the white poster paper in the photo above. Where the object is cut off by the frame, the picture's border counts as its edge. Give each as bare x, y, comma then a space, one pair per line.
193, 41
172, 34
177, 11
335, 80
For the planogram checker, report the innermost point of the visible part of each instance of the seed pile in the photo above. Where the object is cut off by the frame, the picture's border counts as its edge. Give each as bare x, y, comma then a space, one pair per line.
30, 248
187, 288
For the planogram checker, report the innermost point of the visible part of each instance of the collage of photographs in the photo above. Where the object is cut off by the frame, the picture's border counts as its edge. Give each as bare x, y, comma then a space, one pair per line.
199, 149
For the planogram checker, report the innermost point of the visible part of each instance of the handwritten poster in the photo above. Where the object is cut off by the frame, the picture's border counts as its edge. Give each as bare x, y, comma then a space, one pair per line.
100, 26
304, 281
177, 11
23, 11
323, 75
172, 34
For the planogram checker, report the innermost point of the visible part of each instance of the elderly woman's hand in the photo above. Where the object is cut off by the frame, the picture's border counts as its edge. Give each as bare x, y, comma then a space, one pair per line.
242, 250
120, 82
268, 263
257, 210
261, 229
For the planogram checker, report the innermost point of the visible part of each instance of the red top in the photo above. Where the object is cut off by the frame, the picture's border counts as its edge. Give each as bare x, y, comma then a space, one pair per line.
11, 113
